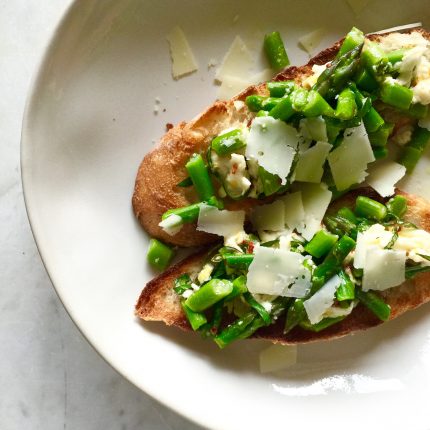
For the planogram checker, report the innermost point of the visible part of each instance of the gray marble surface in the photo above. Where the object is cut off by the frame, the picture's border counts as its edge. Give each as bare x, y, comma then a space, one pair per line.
50, 377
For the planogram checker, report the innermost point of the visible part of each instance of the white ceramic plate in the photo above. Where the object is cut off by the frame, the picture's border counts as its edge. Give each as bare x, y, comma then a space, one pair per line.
90, 120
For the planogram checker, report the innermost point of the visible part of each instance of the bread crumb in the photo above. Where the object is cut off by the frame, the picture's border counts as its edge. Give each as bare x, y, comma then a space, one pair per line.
169, 126
212, 63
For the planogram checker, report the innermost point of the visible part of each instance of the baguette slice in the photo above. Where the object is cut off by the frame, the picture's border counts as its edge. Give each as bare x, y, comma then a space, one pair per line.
158, 301
163, 168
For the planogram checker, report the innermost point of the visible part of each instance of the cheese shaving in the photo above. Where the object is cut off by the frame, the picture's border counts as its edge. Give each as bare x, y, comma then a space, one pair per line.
277, 357
322, 300
384, 175
273, 144
278, 272
315, 198
237, 62
348, 162
309, 42
220, 222
183, 60
309, 167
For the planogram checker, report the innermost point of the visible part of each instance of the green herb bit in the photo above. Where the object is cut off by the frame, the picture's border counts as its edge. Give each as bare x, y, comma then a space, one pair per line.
182, 284
346, 290
196, 319
275, 51
159, 254
412, 271
373, 302
321, 244
229, 142
369, 208
209, 294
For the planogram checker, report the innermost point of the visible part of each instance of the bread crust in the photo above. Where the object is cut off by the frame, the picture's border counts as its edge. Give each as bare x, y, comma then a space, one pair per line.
158, 301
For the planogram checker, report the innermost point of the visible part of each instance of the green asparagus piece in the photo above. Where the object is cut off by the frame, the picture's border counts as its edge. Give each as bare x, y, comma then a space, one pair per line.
346, 290
321, 244
208, 294
196, 319
159, 254
275, 51
199, 174
373, 302
369, 208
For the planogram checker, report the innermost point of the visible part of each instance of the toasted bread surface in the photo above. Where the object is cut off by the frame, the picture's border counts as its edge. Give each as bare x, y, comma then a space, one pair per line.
156, 189
158, 301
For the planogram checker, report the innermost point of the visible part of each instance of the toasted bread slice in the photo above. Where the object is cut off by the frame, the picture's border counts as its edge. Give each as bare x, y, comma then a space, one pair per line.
163, 168
158, 301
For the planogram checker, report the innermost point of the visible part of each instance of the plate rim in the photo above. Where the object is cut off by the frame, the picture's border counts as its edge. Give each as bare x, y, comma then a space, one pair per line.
24, 164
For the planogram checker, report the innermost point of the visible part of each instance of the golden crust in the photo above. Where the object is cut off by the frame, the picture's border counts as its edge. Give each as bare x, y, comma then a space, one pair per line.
158, 301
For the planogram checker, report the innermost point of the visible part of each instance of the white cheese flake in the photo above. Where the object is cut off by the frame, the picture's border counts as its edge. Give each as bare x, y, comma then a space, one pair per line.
294, 211
375, 235
384, 175
277, 357
273, 144
263, 76
172, 224
315, 198
183, 60
383, 268
415, 242
348, 162
322, 300
278, 272
310, 41
237, 62
269, 217
230, 86
220, 222
309, 167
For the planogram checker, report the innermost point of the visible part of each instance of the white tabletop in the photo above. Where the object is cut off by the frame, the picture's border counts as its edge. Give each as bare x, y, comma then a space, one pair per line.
50, 377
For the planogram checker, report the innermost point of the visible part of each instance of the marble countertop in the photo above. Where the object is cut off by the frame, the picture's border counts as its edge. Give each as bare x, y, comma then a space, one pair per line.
50, 377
